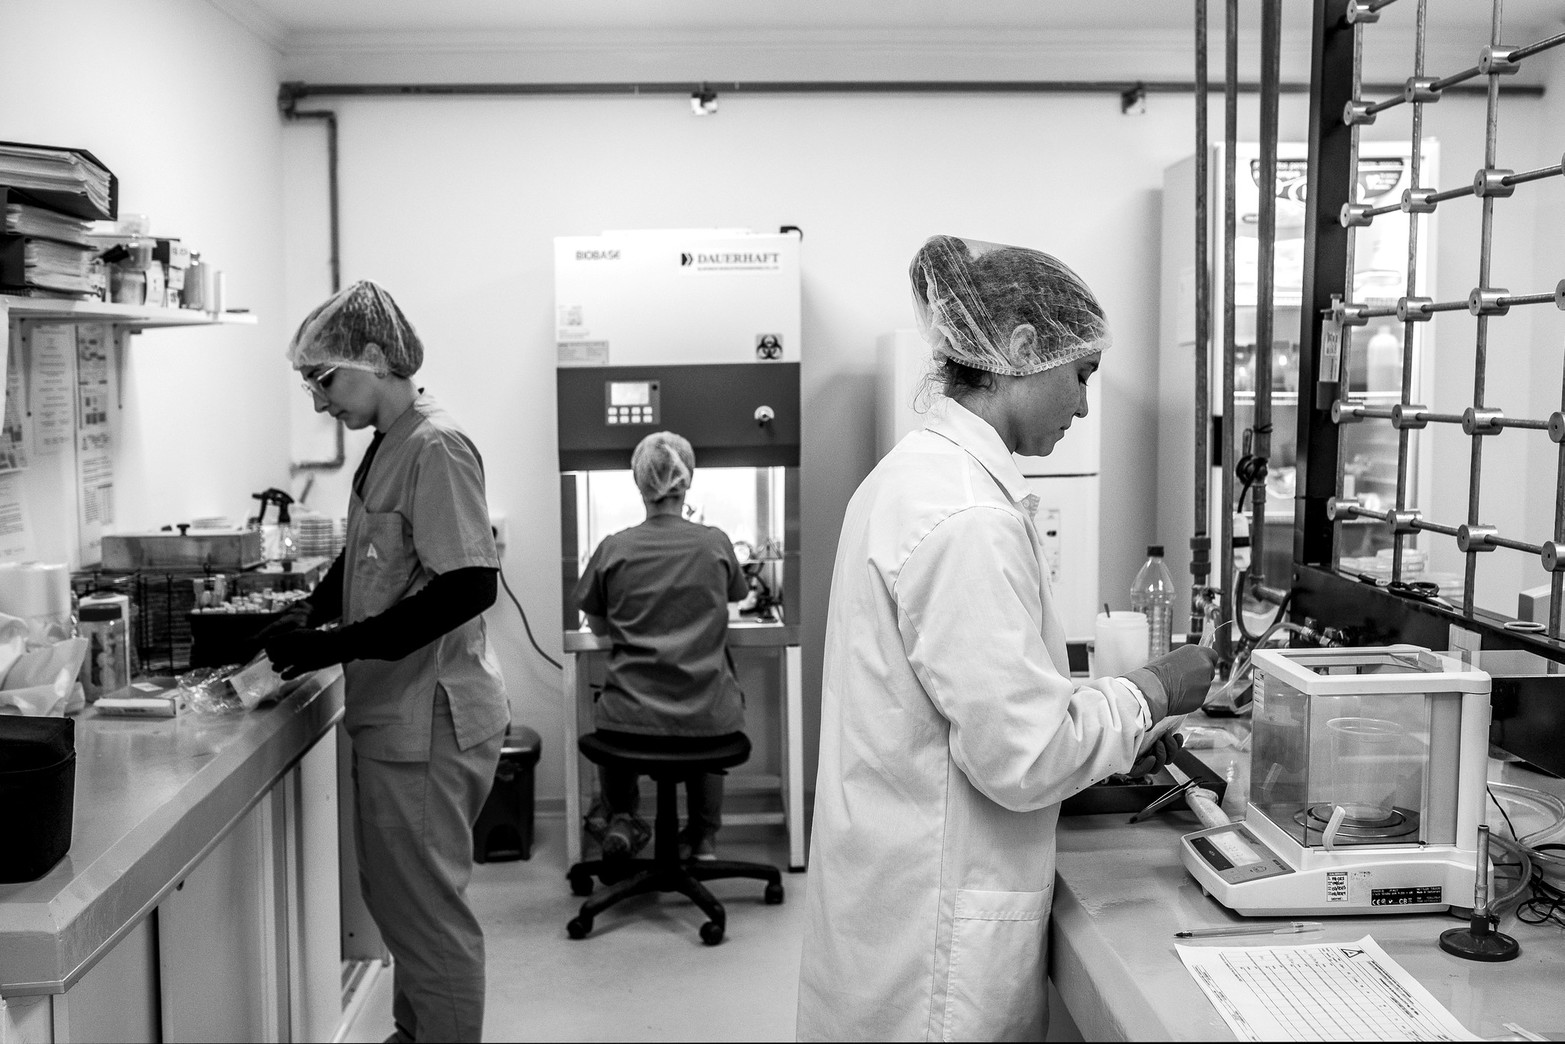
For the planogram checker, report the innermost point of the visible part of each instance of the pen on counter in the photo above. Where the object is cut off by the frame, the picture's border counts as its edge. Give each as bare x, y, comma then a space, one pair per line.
1291, 928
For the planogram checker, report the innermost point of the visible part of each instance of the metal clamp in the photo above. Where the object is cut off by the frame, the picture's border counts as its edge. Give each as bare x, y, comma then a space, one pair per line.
1553, 557
1484, 421
1349, 313
1417, 201
1345, 411
1358, 113
1489, 183
1404, 520
1488, 301
1420, 89
1470, 538
1559, 295
1355, 215
1557, 427
1415, 309
1496, 61
1406, 415
1342, 507
1361, 12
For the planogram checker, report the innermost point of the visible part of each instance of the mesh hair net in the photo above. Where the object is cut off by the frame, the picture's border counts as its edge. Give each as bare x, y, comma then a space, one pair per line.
972, 296
360, 328
663, 463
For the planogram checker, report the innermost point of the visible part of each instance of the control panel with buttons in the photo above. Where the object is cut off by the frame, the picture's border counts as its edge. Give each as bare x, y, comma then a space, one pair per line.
631, 402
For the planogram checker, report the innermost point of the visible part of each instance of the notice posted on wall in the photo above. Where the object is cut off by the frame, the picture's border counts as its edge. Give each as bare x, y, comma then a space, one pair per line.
95, 382
15, 431
52, 396
15, 540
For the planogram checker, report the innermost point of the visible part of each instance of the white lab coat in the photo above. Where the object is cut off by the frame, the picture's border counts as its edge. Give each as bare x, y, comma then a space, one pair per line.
950, 733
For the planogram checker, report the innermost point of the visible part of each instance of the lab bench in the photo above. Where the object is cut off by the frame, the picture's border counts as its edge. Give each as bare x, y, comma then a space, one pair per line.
775, 733
1121, 893
200, 896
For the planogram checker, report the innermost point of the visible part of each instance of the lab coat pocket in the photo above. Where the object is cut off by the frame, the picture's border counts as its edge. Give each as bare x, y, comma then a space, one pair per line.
384, 562
995, 982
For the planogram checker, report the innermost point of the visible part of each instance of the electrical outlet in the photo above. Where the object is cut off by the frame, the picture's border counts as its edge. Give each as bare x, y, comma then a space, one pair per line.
497, 527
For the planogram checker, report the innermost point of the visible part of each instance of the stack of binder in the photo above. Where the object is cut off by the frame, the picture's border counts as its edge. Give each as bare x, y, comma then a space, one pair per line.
49, 197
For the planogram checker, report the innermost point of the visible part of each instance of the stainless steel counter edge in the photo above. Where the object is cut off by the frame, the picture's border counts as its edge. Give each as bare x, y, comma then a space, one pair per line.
740, 636
52, 931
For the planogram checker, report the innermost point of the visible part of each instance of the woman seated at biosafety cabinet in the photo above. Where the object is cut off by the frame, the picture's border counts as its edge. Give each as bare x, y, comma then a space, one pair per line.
660, 591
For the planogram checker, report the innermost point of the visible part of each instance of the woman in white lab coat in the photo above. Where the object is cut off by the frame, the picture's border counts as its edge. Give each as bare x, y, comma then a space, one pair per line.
950, 727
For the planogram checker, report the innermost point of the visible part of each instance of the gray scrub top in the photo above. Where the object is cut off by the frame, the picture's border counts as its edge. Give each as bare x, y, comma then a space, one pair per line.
664, 587
421, 511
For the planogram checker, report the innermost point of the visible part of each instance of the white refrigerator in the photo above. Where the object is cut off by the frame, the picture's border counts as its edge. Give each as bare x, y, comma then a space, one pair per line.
1065, 482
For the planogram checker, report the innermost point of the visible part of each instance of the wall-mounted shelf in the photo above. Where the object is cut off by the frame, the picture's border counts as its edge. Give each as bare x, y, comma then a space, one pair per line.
141, 317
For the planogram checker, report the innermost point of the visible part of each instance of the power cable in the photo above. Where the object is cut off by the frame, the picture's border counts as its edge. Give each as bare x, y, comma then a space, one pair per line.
525, 625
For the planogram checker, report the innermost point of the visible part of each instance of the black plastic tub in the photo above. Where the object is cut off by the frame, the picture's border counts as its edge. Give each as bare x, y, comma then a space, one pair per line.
37, 794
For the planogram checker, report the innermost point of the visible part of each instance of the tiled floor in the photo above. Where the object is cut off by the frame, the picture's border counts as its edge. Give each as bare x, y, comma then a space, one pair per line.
643, 973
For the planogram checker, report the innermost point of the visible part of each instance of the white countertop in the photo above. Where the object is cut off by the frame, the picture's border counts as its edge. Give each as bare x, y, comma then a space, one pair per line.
1122, 893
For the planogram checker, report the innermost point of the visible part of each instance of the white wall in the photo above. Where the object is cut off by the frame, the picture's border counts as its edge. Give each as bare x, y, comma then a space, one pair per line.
453, 204
178, 101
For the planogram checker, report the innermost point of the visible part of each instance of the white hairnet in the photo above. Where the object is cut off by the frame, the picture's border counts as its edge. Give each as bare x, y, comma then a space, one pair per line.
971, 297
663, 463
360, 328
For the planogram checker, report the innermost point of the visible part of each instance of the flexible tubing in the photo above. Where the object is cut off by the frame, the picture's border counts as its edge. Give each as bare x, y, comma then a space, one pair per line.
1204, 804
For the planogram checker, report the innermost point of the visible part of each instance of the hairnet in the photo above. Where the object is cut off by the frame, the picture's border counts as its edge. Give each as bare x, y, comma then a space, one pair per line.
970, 296
360, 328
663, 463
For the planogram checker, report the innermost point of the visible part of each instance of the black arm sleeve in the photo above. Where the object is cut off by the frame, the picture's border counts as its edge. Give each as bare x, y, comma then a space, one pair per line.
326, 600
447, 602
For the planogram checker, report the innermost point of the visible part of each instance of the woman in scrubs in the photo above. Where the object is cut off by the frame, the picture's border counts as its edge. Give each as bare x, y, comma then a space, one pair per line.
950, 727
425, 706
661, 590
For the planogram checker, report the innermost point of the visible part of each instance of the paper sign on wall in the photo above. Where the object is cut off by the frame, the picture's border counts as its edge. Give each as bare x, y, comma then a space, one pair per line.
53, 393
95, 382
15, 429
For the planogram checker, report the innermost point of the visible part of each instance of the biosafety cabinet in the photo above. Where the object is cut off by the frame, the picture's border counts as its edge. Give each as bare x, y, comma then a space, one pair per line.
694, 331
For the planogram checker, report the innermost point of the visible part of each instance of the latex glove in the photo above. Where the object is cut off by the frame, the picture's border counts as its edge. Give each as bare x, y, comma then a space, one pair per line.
296, 617
306, 649
1176, 682
1159, 753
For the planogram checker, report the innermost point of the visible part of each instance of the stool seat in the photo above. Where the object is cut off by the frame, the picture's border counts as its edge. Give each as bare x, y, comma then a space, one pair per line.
669, 760
692, 756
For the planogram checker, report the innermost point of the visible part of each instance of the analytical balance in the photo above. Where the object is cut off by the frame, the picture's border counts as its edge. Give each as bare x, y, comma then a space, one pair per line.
1367, 777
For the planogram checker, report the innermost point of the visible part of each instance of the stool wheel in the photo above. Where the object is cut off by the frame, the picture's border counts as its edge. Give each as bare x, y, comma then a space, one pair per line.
579, 927
581, 883
712, 933
774, 894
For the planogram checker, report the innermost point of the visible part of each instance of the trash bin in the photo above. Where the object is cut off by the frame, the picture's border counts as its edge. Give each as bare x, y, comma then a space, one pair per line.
38, 793
505, 826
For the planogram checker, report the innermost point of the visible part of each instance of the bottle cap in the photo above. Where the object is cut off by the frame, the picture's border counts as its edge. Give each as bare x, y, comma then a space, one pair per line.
1154, 550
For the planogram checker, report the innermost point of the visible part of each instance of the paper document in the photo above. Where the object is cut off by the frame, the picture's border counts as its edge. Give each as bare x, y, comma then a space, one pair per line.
1321, 991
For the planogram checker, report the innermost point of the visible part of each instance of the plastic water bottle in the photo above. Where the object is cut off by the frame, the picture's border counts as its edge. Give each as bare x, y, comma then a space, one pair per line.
1153, 594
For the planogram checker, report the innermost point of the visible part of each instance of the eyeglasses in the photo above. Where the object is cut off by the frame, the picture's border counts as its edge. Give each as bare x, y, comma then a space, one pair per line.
317, 384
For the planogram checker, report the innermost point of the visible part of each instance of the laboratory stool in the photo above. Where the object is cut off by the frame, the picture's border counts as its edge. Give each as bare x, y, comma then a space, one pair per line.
665, 871
505, 826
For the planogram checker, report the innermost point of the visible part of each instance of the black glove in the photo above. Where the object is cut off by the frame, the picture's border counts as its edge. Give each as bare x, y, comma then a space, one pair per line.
1159, 754
1176, 682
306, 649
293, 618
